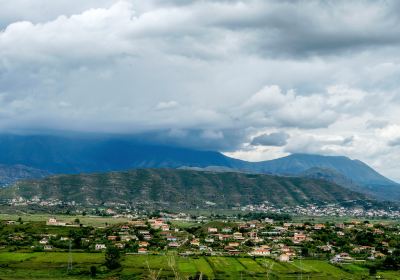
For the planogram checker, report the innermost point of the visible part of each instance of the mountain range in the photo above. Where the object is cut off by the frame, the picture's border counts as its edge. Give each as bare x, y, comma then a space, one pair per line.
37, 156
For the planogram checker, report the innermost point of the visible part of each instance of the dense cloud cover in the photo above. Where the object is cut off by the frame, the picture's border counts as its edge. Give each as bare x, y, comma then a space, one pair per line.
254, 79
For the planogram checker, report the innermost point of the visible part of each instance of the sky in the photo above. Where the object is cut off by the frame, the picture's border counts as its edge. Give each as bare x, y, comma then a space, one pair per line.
256, 79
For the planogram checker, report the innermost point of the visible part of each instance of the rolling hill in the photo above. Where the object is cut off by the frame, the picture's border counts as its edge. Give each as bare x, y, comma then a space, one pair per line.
182, 189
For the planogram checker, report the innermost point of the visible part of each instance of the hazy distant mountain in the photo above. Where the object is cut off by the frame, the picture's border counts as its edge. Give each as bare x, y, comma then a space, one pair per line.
355, 170
175, 188
70, 155
97, 154
11, 173
352, 174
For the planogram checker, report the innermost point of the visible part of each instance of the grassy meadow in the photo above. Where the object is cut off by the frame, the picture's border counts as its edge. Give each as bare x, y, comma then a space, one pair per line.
53, 265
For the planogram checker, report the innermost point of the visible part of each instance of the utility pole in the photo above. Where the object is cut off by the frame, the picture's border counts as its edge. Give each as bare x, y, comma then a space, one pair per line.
69, 269
301, 269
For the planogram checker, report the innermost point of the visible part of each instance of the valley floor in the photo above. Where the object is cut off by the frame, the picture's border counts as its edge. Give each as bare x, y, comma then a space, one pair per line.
53, 265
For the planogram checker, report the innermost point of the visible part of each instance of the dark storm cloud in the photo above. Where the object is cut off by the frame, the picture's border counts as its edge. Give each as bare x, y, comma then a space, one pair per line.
225, 140
207, 74
274, 139
312, 28
394, 142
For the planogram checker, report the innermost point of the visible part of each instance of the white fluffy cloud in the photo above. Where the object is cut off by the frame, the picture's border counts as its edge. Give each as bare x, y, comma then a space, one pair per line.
208, 74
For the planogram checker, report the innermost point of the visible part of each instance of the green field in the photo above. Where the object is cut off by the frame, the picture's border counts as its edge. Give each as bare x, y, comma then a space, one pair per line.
86, 220
53, 265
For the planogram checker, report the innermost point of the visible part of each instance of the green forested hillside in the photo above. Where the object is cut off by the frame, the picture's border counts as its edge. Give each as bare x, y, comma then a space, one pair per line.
182, 188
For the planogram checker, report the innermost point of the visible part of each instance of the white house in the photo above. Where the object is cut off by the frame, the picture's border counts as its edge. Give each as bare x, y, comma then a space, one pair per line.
99, 247
212, 230
44, 241
284, 258
261, 252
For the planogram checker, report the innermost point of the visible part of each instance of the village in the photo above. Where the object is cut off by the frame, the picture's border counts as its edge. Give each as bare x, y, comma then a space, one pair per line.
126, 209
354, 241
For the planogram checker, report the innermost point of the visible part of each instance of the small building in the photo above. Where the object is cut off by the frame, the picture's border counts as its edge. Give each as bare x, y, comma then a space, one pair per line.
124, 228
99, 247
341, 258
212, 230
226, 230
268, 221
319, 226
284, 258
52, 222
253, 234
203, 247
171, 238
165, 227
44, 241
299, 237
120, 245
261, 252
147, 237
173, 244
127, 237
238, 236
142, 251
138, 224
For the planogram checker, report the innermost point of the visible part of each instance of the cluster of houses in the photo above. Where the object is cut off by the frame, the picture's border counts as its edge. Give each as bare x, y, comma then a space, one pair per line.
139, 231
330, 210
244, 238
128, 210
283, 241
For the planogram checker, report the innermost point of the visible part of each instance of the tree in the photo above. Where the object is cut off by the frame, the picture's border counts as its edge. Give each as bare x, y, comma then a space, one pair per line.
393, 261
113, 258
305, 251
372, 271
93, 271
